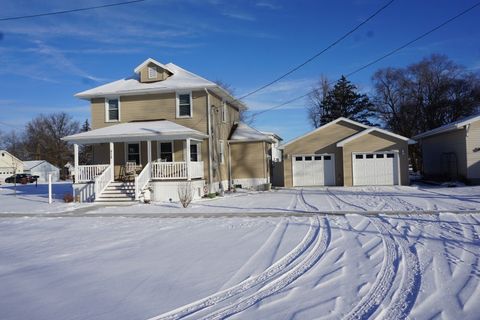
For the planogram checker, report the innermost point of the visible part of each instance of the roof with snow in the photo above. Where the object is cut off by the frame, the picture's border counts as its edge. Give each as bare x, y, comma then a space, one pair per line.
244, 133
449, 127
137, 131
181, 79
29, 165
374, 129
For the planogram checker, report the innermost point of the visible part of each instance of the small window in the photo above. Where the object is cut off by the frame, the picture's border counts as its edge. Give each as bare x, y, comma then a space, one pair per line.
113, 107
224, 111
308, 158
298, 158
327, 158
369, 156
318, 157
222, 151
359, 156
166, 151
390, 155
133, 153
194, 152
184, 108
152, 72
380, 156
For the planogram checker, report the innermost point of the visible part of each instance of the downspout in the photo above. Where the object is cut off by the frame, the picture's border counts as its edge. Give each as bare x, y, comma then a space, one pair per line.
230, 186
209, 126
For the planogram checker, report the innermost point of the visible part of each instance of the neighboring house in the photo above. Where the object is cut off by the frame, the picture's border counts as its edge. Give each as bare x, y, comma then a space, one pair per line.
41, 168
452, 151
348, 153
9, 164
276, 153
171, 125
250, 156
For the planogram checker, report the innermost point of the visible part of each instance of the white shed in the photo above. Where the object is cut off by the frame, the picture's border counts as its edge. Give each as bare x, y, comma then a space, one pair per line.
9, 164
42, 168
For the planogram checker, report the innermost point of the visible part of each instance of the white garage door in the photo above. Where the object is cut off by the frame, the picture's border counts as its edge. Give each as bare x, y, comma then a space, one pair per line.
375, 168
313, 170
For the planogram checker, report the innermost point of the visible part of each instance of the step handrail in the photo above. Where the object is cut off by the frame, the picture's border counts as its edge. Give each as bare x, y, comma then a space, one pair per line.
103, 180
142, 180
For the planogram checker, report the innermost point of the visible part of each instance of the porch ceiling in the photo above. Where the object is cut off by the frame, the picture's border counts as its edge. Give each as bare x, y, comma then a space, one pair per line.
136, 131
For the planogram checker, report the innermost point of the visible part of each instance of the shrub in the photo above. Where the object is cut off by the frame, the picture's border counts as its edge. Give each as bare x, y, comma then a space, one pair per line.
185, 193
67, 197
212, 195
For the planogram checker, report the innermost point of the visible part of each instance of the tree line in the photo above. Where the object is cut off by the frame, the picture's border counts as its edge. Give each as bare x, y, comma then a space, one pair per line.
419, 97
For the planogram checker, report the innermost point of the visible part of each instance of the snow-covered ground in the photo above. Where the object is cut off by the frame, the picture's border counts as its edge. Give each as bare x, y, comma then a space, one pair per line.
425, 266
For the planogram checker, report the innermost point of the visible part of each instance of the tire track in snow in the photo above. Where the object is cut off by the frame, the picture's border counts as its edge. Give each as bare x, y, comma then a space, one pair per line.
372, 300
318, 250
269, 274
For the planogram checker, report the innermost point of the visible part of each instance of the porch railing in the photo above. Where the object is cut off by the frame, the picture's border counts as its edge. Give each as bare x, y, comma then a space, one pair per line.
88, 173
176, 170
142, 179
102, 181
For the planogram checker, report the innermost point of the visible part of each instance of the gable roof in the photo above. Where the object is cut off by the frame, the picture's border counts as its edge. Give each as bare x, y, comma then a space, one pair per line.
180, 80
449, 127
11, 155
134, 131
150, 60
326, 126
244, 132
374, 129
28, 165
272, 134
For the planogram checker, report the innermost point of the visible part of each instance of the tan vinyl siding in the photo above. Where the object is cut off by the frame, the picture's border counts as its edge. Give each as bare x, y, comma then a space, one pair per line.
322, 141
434, 148
374, 142
248, 160
473, 152
162, 74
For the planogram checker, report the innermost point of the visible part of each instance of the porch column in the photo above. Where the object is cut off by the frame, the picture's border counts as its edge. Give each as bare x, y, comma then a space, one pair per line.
75, 161
187, 160
149, 151
112, 162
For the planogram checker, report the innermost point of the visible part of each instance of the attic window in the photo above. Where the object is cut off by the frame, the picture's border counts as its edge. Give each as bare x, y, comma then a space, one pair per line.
152, 72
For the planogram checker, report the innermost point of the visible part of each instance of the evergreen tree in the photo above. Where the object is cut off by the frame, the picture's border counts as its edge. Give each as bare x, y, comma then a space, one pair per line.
343, 100
85, 152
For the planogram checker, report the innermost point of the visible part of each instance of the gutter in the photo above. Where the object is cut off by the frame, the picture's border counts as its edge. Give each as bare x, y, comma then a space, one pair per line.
209, 130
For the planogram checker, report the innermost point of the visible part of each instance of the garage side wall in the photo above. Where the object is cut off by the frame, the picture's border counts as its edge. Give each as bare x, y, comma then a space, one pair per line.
322, 141
473, 153
374, 142
249, 162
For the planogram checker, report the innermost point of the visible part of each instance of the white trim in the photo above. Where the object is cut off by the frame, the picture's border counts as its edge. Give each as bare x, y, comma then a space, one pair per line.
326, 126
159, 149
396, 156
107, 105
448, 127
178, 104
139, 150
224, 111
150, 60
198, 146
222, 151
152, 72
364, 132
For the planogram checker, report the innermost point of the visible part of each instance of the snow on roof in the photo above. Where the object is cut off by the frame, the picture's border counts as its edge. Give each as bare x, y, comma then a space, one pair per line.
28, 165
150, 60
272, 134
180, 80
449, 127
372, 129
244, 132
136, 131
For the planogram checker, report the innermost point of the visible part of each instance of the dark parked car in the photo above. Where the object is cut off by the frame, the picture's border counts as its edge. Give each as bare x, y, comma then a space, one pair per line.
21, 177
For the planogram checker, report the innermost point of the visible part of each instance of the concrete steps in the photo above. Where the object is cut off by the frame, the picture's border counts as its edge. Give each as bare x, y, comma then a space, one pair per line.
118, 192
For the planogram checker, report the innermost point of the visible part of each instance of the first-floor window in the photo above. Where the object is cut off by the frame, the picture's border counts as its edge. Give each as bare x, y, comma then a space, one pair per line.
133, 153
166, 151
112, 110
194, 152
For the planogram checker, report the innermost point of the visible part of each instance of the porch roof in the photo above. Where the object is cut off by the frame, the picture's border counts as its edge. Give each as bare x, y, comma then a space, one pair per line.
136, 131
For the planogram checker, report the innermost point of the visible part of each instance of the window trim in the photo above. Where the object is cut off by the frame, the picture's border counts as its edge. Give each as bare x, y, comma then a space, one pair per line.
222, 151
199, 151
159, 149
178, 93
139, 151
224, 111
154, 71
107, 114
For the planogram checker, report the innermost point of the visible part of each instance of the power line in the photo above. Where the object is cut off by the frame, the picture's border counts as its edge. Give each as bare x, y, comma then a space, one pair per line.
376, 60
71, 10
318, 53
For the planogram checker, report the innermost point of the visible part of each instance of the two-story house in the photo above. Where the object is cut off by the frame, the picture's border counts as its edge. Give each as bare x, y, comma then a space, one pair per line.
162, 127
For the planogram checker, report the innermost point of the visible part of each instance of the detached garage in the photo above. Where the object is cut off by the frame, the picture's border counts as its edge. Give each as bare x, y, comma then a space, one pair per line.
42, 168
348, 153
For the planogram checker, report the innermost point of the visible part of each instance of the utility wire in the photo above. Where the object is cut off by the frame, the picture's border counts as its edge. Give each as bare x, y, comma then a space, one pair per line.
71, 10
376, 60
319, 53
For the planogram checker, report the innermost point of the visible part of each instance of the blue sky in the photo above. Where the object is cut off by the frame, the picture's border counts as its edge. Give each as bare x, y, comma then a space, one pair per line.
45, 61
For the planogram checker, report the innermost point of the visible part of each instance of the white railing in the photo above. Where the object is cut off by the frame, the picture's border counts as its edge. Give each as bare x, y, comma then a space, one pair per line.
142, 179
88, 173
102, 181
176, 170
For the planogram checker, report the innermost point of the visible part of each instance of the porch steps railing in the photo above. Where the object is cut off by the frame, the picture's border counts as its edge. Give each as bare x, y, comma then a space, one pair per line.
176, 170
103, 180
142, 180
89, 172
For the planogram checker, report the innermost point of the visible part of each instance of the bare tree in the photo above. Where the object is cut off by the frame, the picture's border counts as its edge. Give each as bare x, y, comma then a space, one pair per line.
315, 99
185, 193
244, 117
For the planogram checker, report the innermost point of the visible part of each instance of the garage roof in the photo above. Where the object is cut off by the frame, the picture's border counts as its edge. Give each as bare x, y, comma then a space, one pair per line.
364, 132
449, 127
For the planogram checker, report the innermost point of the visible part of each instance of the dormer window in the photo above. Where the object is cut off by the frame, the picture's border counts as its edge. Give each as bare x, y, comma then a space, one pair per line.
112, 110
184, 105
152, 72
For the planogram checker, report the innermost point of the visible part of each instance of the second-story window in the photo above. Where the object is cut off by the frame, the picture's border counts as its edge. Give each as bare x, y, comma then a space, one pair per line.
184, 105
113, 109
152, 72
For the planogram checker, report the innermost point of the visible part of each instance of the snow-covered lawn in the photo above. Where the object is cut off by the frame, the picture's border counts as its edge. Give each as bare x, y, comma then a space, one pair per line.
425, 266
